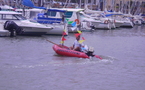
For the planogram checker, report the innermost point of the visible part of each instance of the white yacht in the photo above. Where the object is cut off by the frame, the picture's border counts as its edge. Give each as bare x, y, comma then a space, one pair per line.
127, 21
6, 7
27, 26
72, 15
106, 23
47, 17
87, 21
118, 22
137, 19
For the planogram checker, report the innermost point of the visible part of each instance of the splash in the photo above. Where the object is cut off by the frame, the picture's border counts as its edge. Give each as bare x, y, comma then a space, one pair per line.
83, 61
66, 61
107, 59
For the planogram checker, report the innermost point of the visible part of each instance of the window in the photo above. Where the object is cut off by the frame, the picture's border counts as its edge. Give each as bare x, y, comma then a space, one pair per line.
51, 13
68, 14
8, 17
11, 17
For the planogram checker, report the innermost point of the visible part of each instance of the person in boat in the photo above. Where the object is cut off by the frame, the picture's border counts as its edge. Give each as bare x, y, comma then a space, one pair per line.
76, 45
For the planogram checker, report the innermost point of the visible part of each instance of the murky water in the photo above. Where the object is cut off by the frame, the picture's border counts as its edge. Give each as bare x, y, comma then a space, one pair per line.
29, 63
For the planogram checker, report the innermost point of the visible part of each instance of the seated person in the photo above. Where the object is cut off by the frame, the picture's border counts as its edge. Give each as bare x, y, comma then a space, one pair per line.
76, 46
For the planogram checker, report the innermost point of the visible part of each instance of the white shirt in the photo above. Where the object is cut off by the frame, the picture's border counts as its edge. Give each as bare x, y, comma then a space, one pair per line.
76, 44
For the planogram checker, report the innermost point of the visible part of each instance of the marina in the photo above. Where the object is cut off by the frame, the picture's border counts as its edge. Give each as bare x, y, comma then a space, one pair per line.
58, 17
30, 63
35, 62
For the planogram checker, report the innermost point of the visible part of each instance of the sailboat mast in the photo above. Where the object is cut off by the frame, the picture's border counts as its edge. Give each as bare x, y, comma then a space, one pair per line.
104, 5
41, 3
85, 3
92, 4
113, 5
80, 3
129, 7
99, 8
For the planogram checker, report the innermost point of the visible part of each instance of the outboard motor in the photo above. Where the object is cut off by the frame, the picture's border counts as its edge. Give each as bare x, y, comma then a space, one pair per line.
92, 27
90, 51
13, 28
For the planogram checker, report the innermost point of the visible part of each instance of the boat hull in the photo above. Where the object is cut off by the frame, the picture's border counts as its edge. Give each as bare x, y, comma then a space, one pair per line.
27, 26
58, 29
127, 24
118, 24
4, 33
34, 31
65, 51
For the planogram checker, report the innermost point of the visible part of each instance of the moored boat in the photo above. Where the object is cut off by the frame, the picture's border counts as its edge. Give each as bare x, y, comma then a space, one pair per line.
29, 28
4, 33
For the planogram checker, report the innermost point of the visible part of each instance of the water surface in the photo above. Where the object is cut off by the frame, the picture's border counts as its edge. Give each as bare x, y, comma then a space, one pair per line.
29, 63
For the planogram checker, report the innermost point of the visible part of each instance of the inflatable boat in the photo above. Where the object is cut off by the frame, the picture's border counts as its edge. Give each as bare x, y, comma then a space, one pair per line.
65, 51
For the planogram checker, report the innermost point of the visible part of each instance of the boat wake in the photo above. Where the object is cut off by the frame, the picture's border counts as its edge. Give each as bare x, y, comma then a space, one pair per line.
66, 61
105, 59
61, 60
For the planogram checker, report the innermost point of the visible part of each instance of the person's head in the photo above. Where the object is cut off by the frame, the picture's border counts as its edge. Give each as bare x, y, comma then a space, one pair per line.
78, 37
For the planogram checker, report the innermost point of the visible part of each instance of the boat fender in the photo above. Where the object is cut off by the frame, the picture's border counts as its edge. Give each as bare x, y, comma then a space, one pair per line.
77, 21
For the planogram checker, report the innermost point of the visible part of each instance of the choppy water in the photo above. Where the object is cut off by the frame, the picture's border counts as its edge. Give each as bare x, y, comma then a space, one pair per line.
29, 63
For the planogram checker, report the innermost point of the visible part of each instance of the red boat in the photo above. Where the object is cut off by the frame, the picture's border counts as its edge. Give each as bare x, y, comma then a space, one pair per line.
65, 51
